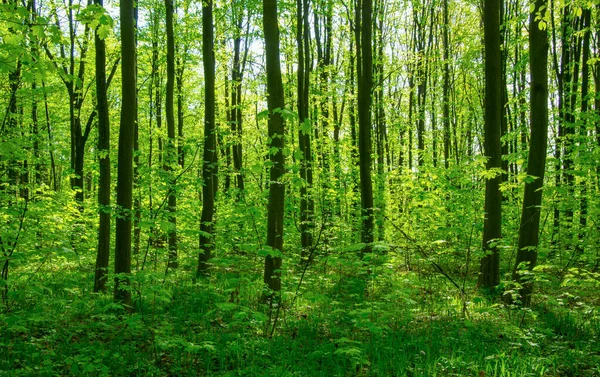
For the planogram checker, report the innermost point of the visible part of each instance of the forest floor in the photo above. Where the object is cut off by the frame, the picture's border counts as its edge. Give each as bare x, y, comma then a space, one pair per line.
390, 322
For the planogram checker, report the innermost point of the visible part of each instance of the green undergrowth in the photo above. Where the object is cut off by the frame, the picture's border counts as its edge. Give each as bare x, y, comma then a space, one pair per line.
386, 322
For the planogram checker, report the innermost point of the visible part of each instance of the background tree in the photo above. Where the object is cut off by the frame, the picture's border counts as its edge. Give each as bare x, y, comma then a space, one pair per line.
125, 169
171, 158
276, 105
104, 190
304, 134
536, 162
210, 141
492, 225
364, 61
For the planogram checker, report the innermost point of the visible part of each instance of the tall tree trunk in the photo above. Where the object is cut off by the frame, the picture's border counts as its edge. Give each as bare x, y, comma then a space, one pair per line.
276, 131
306, 168
206, 241
536, 163
364, 10
492, 226
446, 86
171, 151
103, 251
380, 125
236, 117
584, 116
180, 111
125, 158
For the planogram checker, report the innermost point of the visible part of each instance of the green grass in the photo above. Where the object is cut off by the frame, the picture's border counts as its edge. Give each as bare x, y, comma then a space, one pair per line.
388, 323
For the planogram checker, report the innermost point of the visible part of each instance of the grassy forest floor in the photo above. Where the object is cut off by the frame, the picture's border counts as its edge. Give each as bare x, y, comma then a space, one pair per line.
391, 322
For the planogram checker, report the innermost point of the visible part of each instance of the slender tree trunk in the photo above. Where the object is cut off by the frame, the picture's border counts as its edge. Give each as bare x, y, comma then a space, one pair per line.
180, 111
236, 105
585, 81
380, 125
206, 241
365, 85
536, 163
306, 168
492, 226
55, 182
446, 86
125, 158
104, 160
171, 149
276, 131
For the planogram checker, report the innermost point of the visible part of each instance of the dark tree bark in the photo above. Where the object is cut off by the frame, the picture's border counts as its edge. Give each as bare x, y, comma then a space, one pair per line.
364, 9
492, 226
276, 131
55, 182
103, 251
171, 150
536, 163
380, 121
180, 110
125, 158
446, 86
235, 115
210, 141
585, 81
306, 168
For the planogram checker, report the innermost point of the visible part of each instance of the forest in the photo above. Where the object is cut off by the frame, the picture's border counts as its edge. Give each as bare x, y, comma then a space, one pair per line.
300, 188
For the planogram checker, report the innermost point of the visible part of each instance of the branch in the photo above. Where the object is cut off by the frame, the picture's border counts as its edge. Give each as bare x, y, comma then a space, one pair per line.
90, 121
424, 253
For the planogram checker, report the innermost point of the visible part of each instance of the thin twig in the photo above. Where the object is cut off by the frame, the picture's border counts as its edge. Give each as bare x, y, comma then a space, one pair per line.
424, 253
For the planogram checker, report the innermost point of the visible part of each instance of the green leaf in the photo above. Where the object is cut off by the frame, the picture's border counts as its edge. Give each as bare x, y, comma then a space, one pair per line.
263, 115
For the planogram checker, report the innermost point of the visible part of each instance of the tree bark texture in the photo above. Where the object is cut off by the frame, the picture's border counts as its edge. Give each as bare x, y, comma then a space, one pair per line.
536, 163
276, 131
210, 141
104, 191
125, 158
492, 225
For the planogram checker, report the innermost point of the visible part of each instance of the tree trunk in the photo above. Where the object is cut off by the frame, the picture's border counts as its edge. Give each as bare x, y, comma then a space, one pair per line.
306, 163
584, 116
276, 132
365, 84
171, 150
125, 158
104, 190
536, 163
446, 87
490, 263
206, 241
236, 106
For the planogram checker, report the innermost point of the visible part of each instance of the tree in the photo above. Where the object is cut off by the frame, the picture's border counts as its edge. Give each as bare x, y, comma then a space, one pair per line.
276, 128
446, 88
237, 75
364, 61
171, 159
72, 73
104, 160
492, 225
307, 205
125, 158
210, 141
536, 162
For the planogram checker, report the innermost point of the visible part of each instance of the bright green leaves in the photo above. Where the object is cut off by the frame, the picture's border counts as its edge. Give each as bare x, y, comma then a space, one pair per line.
306, 127
286, 114
542, 15
98, 19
